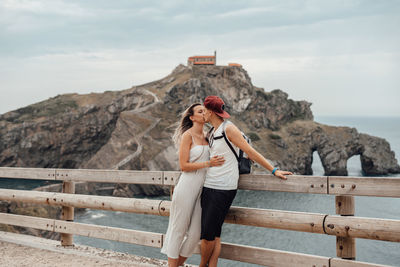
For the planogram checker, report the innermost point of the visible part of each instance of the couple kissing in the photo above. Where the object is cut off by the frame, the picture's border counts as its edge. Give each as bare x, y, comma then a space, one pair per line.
208, 183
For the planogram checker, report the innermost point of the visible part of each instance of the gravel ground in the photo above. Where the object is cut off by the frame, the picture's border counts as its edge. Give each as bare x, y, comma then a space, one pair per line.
23, 250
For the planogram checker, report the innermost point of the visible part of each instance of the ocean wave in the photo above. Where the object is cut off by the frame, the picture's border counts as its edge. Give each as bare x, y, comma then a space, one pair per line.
97, 215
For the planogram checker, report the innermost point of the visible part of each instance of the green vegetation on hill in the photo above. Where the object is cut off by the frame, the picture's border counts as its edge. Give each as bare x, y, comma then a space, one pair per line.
48, 108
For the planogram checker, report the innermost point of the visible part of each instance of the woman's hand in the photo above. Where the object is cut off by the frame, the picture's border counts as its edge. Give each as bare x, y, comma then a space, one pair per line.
217, 161
281, 174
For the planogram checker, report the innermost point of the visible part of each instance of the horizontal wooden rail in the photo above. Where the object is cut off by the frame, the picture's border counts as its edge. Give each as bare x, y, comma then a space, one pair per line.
294, 183
279, 258
104, 232
89, 175
270, 257
256, 255
335, 262
359, 227
344, 226
134, 205
277, 219
28, 173
364, 186
356, 186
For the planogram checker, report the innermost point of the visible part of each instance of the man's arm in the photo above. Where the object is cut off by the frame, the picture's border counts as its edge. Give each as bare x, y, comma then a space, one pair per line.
235, 136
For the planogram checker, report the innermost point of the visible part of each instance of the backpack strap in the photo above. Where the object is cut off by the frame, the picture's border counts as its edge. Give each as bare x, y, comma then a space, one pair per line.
208, 134
229, 143
241, 153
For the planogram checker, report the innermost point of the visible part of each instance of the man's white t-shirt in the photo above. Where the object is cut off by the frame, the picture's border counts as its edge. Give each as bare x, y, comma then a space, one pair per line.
226, 176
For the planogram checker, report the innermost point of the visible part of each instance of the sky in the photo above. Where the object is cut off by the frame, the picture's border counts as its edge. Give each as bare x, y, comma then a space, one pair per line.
343, 56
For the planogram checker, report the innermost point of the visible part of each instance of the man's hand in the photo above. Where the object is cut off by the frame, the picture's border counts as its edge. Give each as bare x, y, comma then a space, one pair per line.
281, 174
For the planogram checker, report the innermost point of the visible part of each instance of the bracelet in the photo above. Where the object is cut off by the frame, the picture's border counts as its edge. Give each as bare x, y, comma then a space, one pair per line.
274, 170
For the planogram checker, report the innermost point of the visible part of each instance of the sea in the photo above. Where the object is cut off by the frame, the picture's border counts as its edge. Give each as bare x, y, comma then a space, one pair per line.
380, 252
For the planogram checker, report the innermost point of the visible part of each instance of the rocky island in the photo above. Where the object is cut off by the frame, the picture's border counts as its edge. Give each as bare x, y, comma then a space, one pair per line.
132, 129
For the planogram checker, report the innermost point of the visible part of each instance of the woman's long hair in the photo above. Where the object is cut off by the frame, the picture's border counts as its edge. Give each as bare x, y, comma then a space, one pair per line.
184, 124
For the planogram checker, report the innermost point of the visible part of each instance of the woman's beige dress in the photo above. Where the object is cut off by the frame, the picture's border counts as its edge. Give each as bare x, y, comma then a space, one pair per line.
183, 234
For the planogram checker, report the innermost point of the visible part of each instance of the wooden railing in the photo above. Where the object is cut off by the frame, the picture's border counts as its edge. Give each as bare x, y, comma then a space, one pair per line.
345, 227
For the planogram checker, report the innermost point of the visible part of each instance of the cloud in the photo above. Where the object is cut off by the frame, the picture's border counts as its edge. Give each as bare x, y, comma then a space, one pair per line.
43, 7
245, 12
310, 49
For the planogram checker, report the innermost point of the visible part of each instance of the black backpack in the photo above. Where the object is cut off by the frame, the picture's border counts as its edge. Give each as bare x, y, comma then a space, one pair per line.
244, 163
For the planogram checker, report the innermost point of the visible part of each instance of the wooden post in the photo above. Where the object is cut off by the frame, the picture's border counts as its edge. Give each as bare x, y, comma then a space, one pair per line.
68, 214
345, 246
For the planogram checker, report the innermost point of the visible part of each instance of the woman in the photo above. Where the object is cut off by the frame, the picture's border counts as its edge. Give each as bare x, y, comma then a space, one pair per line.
183, 234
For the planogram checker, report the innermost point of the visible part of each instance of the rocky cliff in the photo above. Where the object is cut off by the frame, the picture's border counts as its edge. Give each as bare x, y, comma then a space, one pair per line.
131, 129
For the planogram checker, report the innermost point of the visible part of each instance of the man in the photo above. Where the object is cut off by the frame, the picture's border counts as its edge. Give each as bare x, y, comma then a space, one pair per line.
221, 182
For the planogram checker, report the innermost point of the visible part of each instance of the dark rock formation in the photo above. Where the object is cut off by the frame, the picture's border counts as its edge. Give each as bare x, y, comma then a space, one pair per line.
131, 129
334, 145
376, 156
